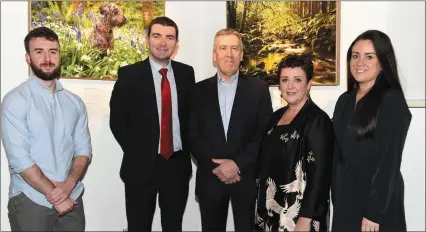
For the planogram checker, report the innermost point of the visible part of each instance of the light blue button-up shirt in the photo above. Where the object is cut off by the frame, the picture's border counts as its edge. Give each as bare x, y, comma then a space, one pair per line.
43, 128
226, 92
155, 68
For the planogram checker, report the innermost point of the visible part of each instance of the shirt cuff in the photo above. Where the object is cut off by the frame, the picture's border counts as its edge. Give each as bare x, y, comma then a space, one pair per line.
84, 153
21, 164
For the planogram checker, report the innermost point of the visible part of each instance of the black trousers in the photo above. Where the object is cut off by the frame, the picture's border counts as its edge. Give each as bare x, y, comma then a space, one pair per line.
214, 197
170, 181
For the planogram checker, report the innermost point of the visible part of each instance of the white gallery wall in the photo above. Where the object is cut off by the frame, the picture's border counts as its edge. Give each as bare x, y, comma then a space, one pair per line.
404, 22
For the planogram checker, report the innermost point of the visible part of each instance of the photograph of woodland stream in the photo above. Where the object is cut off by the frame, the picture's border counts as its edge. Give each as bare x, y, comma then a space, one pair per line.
273, 29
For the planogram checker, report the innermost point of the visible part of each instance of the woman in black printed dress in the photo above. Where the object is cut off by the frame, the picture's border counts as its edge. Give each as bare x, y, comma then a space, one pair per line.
296, 157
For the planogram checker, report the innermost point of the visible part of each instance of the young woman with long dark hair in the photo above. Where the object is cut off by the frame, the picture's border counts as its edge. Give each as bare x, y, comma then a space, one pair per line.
371, 121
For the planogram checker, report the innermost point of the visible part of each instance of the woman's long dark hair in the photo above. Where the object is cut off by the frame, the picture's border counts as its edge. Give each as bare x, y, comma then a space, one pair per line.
366, 112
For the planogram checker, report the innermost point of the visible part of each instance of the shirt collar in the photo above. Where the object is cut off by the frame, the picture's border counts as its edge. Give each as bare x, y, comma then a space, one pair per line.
155, 67
234, 78
37, 83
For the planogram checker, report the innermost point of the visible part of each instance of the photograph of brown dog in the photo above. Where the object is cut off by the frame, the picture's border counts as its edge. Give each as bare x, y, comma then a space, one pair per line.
96, 37
111, 16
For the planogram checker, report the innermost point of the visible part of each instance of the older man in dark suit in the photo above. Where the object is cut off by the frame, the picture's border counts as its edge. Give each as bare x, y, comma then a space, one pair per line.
229, 114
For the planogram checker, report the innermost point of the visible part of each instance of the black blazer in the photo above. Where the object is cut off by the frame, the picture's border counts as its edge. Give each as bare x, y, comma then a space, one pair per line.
367, 171
251, 112
134, 117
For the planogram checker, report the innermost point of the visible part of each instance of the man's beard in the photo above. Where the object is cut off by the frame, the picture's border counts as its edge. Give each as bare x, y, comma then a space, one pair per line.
47, 76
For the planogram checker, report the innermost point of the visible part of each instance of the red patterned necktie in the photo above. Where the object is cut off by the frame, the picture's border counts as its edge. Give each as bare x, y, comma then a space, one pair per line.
166, 137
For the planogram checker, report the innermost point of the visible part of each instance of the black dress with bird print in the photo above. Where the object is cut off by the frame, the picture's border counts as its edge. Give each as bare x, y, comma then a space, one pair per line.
294, 170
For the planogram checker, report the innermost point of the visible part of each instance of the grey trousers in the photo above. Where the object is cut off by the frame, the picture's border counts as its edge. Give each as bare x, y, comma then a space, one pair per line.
25, 215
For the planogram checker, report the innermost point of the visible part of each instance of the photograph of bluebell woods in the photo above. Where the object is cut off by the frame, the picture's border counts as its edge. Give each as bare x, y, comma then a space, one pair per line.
97, 37
273, 29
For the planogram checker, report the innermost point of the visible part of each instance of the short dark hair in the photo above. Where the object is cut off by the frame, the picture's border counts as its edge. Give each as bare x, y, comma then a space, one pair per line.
164, 21
40, 32
365, 118
303, 61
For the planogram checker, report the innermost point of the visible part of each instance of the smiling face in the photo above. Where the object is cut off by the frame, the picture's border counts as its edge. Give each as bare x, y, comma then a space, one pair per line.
364, 64
227, 54
162, 43
294, 85
44, 58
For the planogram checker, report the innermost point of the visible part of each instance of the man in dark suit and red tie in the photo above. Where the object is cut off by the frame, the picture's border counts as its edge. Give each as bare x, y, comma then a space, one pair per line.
229, 115
149, 119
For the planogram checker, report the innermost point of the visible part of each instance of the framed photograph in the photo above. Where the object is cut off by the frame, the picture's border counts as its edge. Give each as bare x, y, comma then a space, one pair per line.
273, 29
97, 37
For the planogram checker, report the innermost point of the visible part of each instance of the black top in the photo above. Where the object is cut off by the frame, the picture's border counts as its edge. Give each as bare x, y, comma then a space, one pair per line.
367, 181
295, 170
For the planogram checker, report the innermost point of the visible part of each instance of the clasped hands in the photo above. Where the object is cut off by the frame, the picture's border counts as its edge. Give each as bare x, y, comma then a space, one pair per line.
59, 197
227, 171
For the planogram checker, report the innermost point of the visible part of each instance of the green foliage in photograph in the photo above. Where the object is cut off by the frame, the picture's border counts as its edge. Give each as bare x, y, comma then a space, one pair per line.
273, 29
74, 22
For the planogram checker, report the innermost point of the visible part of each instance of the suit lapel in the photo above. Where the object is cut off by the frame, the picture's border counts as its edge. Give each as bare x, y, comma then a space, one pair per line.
214, 104
147, 80
237, 112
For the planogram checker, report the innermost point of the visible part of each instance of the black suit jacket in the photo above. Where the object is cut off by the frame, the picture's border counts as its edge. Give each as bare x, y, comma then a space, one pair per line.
134, 117
251, 111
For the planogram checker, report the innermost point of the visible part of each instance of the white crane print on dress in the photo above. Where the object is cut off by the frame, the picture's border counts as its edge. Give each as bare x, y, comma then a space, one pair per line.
288, 214
299, 184
271, 204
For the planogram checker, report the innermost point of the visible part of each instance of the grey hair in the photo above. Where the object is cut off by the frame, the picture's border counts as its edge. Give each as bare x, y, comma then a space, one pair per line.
228, 31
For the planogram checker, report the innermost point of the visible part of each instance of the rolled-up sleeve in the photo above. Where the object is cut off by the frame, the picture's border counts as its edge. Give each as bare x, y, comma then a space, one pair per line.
83, 146
14, 132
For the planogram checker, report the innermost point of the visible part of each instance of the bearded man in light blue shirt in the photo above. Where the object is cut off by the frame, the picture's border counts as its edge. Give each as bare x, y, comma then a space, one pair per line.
46, 138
